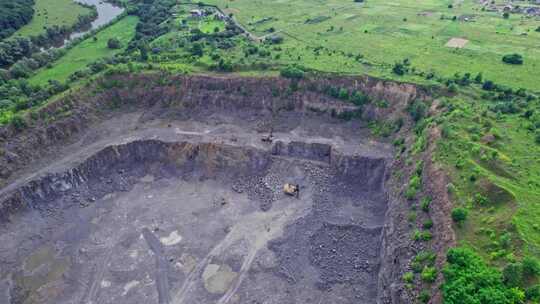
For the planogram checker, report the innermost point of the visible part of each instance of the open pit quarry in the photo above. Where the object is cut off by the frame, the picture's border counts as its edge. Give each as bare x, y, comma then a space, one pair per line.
157, 191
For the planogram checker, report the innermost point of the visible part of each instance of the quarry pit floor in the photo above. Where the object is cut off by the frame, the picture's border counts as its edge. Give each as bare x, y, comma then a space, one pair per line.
205, 222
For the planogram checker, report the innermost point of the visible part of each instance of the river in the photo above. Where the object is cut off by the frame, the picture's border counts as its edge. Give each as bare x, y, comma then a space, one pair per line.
106, 13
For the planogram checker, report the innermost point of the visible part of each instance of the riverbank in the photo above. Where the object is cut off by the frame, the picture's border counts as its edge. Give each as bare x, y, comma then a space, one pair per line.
51, 13
88, 51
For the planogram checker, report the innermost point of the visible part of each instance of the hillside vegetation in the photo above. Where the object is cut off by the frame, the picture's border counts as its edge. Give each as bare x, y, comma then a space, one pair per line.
87, 52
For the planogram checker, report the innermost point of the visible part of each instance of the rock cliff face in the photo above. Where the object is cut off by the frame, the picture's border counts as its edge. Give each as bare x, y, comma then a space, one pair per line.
119, 167
98, 172
63, 119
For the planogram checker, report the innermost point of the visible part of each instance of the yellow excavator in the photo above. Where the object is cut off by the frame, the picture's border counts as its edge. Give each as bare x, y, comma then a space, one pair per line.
292, 189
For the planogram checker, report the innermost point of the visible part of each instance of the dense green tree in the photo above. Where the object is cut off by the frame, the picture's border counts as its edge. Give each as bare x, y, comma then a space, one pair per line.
14, 14
114, 43
459, 215
468, 280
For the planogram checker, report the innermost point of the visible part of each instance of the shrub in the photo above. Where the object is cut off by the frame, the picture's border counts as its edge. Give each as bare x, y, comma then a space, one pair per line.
417, 110
428, 224
274, 39
408, 277
427, 257
415, 182
531, 267
358, 98
533, 293
479, 77
480, 199
513, 274
6, 103
197, 49
292, 72
424, 296
399, 69
451, 188
18, 122
412, 217
114, 43
446, 130
459, 215
429, 274
422, 235
424, 204
410, 193
505, 240
343, 94
488, 85
513, 59
426, 236
423, 259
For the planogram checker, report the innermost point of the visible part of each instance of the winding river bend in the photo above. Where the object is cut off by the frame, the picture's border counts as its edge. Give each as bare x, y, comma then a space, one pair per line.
106, 13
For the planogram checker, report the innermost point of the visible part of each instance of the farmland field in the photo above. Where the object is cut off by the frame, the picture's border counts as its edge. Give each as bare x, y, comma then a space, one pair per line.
385, 32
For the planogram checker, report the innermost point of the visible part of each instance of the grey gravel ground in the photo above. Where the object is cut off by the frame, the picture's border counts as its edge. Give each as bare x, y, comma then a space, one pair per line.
213, 228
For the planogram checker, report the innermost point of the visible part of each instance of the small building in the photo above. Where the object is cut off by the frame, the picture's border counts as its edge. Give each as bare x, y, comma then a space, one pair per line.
533, 11
219, 16
197, 13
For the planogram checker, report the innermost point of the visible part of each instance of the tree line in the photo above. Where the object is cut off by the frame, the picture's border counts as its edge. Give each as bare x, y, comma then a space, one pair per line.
13, 15
15, 49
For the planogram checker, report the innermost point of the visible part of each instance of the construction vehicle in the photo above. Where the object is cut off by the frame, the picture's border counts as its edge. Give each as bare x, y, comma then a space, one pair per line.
269, 138
292, 189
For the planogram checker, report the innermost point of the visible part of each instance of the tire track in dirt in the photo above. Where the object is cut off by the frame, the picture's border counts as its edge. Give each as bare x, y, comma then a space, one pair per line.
256, 229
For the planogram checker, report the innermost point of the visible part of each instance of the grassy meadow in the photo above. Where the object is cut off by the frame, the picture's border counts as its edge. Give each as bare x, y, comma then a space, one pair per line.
493, 162
49, 13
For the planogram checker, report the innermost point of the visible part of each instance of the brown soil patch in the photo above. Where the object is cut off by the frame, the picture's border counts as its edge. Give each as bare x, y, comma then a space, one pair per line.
457, 43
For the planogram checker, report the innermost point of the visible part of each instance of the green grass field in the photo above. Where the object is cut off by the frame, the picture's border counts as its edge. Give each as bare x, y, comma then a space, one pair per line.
49, 13
387, 32
88, 51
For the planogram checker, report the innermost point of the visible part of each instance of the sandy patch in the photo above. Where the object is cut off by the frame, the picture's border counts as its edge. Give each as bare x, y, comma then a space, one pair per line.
426, 14
218, 278
173, 239
458, 43
105, 284
129, 286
